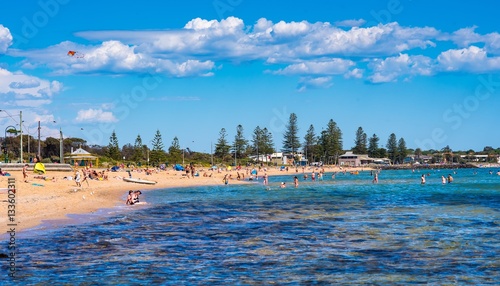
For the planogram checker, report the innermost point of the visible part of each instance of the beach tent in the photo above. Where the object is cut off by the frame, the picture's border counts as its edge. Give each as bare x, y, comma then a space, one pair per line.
115, 169
178, 167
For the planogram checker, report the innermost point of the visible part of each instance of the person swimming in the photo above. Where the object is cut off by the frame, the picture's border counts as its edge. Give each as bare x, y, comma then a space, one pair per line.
130, 200
135, 197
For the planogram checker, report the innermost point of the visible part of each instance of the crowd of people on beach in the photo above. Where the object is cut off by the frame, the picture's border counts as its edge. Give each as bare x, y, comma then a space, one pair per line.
88, 174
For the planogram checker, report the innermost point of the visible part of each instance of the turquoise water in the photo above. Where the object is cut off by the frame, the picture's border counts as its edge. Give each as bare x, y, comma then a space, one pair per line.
341, 231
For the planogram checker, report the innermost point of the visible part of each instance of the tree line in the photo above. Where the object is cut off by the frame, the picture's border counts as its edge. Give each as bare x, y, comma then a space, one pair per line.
326, 146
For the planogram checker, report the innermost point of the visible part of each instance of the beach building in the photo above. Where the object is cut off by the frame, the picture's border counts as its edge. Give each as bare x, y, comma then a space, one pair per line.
278, 158
274, 158
382, 161
354, 160
480, 158
81, 157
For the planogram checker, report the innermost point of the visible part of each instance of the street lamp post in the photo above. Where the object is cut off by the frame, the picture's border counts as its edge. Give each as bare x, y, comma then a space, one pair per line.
61, 153
21, 130
29, 138
6, 153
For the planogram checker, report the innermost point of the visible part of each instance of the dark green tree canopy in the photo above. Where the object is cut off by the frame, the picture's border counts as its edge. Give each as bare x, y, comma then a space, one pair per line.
175, 151
331, 142
373, 149
291, 141
392, 147
157, 155
113, 147
222, 147
240, 143
360, 142
310, 143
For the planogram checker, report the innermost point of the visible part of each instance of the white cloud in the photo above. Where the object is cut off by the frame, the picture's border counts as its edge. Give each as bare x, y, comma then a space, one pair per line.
350, 23
5, 39
467, 36
95, 115
230, 39
404, 65
314, 83
27, 83
21, 85
327, 67
225, 26
292, 29
354, 73
308, 50
471, 59
111, 57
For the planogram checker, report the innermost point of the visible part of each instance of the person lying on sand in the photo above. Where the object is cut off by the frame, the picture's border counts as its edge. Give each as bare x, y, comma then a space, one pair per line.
45, 178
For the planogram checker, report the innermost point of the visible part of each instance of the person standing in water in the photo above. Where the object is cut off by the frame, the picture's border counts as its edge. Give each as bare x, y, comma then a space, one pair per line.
443, 180
422, 179
296, 181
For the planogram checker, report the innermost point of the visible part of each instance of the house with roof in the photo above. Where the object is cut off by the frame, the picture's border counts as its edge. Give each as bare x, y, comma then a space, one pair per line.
354, 160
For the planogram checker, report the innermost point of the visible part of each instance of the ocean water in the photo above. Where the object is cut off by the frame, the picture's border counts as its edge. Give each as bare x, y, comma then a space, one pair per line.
342, 231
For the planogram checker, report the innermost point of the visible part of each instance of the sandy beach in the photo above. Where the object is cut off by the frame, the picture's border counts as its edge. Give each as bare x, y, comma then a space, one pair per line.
38, 200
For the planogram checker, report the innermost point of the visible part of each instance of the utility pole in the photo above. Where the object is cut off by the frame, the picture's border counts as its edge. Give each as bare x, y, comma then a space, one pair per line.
61, 153
211, 154
21, 127
39, 138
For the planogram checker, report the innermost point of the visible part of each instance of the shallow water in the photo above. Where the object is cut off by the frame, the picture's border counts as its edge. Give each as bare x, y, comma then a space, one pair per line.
337, 231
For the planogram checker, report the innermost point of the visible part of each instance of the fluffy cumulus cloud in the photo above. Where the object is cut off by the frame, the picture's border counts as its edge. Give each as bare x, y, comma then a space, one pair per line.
312, 51
354, 73
471, 59
5, 39
404, 65
231, 39
95, 115
110, 57
467, 36
18, 85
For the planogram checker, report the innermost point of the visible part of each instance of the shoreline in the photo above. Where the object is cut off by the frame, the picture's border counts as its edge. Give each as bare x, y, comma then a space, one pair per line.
47, 202
41, 201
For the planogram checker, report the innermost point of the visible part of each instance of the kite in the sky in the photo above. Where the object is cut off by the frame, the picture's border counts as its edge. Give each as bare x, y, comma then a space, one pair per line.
75, 54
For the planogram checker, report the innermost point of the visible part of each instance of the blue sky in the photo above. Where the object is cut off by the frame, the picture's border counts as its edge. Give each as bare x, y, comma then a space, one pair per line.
428, 71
